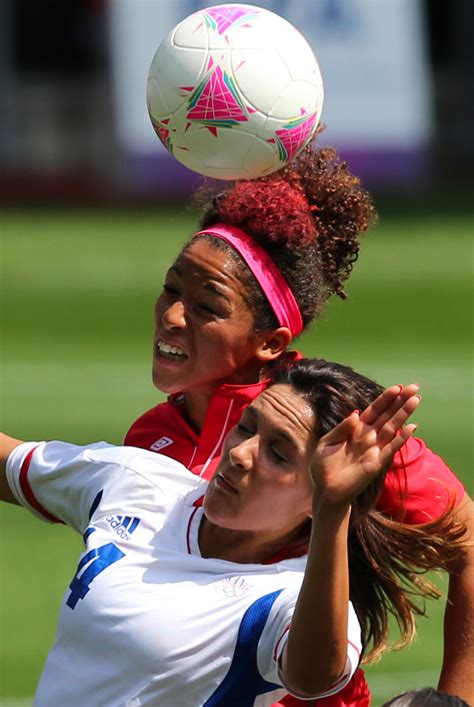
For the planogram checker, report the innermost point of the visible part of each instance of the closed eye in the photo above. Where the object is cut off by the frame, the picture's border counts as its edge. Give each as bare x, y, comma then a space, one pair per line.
170, 290
206, 308
278, 455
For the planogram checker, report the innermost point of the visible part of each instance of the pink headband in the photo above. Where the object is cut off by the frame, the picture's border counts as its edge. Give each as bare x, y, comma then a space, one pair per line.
270, 279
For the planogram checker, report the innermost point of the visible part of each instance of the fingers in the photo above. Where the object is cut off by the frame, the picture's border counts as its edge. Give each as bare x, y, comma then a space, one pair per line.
380, 422
343, 431
384, 413
393, 424
381, 404
387, 453
382, 409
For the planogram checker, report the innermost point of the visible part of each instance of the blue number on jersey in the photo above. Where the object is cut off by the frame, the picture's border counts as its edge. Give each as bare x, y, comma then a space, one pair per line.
97, 559
100, 558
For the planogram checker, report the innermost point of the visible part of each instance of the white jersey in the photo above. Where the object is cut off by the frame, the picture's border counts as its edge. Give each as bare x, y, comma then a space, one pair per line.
146, 620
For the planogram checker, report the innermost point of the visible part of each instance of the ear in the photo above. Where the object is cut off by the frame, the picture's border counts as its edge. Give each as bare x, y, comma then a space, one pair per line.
274, 344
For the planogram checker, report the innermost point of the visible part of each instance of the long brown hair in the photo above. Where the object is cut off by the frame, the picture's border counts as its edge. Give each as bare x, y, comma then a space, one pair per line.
387, 558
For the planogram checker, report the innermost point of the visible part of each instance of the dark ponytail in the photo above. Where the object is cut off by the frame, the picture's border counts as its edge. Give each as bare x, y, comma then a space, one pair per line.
387, 561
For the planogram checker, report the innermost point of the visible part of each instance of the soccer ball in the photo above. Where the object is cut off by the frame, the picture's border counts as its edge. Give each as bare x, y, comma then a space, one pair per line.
234, 92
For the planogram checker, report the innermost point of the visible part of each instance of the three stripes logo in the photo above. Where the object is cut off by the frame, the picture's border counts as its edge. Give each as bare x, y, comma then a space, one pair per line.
123, 526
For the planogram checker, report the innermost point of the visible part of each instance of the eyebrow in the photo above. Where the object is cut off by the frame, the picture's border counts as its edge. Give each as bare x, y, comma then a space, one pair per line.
214, 288
280, 432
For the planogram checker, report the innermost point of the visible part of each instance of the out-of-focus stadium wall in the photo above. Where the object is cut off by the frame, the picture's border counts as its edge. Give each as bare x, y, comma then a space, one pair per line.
373, 55
73, 116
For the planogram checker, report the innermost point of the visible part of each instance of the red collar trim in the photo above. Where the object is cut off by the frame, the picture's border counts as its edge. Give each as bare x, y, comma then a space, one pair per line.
288, 554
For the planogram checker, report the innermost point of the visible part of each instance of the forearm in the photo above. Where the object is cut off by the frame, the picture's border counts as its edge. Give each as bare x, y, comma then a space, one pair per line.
316, 650
346, 460
7, 445
457, 676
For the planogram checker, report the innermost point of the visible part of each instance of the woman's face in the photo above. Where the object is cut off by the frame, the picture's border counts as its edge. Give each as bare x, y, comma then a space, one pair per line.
262, 483
203, 325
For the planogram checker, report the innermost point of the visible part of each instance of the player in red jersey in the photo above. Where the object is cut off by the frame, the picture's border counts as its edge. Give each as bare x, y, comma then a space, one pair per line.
224, 317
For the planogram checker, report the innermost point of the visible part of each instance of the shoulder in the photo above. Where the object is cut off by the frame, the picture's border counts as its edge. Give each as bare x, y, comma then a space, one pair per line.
153, 467
416, 458
419, 486
155, 413
414, 452
152, 429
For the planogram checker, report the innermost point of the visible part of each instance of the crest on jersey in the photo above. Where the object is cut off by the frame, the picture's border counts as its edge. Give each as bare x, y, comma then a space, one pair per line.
232, 586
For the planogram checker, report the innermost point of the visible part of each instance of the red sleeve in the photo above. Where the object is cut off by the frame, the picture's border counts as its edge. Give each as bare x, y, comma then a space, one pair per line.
419, 486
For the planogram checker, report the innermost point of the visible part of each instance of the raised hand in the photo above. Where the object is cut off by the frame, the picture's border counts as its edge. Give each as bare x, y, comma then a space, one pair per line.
349, 457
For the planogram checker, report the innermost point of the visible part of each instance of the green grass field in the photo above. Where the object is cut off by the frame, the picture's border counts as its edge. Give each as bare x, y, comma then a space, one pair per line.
76, 311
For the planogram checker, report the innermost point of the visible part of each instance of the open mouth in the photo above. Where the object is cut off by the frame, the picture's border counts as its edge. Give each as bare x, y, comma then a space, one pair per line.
171, 351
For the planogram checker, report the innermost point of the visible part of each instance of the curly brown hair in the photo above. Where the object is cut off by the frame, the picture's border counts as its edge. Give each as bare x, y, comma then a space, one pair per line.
308, 217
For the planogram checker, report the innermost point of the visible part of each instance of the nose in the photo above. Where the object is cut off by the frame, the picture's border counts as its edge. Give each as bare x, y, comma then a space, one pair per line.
242, 455
173, 316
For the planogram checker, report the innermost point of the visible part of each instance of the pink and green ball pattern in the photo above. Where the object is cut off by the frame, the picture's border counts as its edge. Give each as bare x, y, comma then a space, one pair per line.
163, 134
290, 138
221, 96
223, 17
216, 101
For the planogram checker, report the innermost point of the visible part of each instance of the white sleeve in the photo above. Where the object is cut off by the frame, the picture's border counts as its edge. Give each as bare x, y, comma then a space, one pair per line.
275, 636
57, 481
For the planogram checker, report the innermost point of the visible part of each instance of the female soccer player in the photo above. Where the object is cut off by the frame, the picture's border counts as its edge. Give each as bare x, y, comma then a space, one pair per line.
277, 573
269, 255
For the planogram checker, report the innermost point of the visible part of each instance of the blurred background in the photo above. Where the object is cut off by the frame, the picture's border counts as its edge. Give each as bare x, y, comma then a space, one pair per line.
73, 123
93, 209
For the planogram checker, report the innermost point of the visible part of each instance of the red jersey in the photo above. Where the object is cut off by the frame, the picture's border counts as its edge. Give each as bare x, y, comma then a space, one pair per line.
418, 487
164, 429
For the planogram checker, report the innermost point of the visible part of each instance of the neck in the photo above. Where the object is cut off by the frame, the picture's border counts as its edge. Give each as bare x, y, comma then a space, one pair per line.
196, 403
245, 547
196, 400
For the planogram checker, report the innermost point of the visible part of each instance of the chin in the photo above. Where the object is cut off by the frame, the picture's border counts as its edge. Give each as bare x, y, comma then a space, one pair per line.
218, 513
166, 388
165, 383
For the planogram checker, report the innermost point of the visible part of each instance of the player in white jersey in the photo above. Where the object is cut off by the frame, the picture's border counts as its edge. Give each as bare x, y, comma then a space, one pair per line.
191, 593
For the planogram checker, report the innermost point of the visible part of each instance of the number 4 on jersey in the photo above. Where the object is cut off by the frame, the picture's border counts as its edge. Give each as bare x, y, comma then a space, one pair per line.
90, 566
98, 559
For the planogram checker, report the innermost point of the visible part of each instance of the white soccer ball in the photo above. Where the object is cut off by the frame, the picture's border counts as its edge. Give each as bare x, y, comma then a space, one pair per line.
234, 92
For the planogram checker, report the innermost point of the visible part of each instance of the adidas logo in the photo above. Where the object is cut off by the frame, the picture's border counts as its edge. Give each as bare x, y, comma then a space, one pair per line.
161, 444
123, 526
